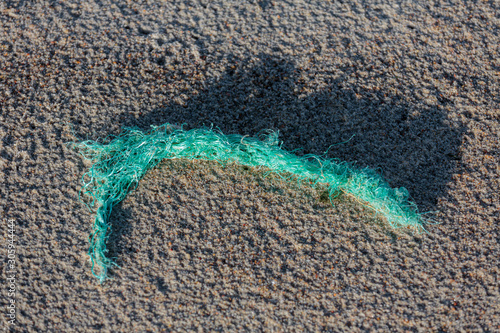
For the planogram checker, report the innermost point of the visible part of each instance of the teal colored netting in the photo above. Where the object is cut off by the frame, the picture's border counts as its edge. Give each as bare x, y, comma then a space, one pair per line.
121, 163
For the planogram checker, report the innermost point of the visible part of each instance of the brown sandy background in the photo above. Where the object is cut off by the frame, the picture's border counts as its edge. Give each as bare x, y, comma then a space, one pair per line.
203, 248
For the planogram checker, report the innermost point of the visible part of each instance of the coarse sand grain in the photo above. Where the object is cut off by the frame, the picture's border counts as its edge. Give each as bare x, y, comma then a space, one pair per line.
409, 88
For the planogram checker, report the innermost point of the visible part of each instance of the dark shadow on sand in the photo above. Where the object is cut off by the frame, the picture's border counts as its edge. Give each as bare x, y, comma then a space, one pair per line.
411, 146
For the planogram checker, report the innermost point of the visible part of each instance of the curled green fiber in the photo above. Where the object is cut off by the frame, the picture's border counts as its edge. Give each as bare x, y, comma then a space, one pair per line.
121, 163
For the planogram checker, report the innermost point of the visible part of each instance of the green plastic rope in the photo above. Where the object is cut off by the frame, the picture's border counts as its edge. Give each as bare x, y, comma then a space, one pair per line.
120, 164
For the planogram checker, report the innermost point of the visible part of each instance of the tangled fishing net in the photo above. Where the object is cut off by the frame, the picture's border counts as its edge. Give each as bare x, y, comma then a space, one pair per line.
121, 163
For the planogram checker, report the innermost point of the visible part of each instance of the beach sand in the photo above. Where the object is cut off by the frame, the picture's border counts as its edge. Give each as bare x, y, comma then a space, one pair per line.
408, 88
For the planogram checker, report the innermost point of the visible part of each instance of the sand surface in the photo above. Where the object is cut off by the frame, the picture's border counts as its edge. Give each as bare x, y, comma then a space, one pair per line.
208, 248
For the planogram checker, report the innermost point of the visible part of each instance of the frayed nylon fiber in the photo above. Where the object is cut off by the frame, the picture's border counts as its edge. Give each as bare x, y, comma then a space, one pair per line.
121, 163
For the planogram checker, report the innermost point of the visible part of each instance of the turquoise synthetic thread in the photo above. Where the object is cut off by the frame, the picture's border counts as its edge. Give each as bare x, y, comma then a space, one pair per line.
121, 163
